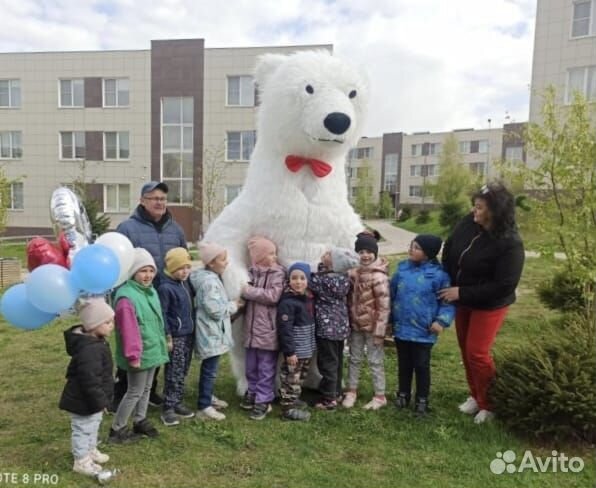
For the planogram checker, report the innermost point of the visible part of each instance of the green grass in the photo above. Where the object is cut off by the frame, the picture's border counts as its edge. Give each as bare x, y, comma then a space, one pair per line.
335, 449
13, 250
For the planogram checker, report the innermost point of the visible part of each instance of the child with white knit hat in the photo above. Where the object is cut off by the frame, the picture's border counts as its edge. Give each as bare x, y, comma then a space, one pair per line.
89, 385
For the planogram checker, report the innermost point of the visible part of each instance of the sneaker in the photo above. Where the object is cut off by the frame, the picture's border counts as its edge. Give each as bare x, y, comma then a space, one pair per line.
260, 411
169, 418
421, 407
349, 399
210, 413
376, 403
470, 406
183, 411
122, 436
295, 414
218, 404
402, 400
299, 404
98, 457
144, 427
326, 404
483, 416
247, 402
86, 466
155, 400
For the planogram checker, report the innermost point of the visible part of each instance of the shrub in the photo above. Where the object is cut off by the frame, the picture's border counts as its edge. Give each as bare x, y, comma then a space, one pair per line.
406, 213
450, 214
546, 388
563, 292
423, 217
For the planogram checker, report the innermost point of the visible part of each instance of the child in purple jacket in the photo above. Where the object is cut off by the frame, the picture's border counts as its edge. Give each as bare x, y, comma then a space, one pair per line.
262, 293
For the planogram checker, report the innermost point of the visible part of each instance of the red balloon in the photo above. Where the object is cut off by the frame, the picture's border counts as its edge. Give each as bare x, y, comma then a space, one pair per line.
41, 251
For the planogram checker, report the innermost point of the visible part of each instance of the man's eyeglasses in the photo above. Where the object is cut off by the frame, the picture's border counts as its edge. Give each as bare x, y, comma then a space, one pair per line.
156, 199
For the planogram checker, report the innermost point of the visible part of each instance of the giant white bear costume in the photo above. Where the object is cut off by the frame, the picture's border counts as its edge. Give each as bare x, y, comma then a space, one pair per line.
312, 106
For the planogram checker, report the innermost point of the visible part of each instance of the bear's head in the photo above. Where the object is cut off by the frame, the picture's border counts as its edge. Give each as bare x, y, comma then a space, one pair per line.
311, 105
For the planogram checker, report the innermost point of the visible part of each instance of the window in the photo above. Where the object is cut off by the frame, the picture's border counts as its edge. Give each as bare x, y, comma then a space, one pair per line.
116, 198
582, 80
115, 145
115, 92
232, 192
514, 153
72, 93
360, 153
390, 176
434, 148
584, 18
240, 145
16, 197
483, 146
241, 91
416, 170
464, 147
177, 148
416, 149
10, 93
354, 192
11, 146
415, 191
431, 170
477, 169
72, 145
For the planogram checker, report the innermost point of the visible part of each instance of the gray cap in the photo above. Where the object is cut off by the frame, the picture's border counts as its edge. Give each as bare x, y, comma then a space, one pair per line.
154, 185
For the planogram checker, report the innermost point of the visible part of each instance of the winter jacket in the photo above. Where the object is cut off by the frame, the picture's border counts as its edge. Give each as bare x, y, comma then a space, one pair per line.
414, 302
213, 331
156, 237
267, 285
296, 325
369, 298
139, 327
331, 304
177, 299
89, 384
486, 268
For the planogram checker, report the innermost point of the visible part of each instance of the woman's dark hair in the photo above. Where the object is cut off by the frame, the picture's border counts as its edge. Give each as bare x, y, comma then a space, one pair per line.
501, 203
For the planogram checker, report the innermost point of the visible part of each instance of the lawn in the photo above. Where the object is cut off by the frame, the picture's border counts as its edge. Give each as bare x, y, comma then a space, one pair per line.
351, 448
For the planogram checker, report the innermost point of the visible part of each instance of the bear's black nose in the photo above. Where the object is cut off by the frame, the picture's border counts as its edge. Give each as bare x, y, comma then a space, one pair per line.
337, 123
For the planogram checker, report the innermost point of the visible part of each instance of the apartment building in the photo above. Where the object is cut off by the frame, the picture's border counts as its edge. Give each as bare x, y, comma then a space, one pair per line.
116, 119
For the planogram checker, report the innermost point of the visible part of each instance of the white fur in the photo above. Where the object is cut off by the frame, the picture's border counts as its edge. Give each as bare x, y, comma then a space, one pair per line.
304, 215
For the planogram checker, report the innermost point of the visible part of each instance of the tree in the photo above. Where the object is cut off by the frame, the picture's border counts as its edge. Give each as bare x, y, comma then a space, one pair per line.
214, 173
454, 184
364, 204
386, 210
99, 221
4, 199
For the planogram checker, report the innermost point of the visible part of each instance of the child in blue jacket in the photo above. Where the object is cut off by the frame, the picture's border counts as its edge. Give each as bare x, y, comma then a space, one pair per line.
418, 317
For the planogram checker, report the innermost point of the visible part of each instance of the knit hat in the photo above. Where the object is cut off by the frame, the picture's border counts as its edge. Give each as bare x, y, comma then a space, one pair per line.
430, 244
142, 258
343, 259
93, 312
304, 267
209, 251
259, 247
176, 258
367, 241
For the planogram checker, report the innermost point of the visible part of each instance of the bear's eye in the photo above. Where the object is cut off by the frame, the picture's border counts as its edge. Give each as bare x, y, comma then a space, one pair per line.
309, 89
352, 94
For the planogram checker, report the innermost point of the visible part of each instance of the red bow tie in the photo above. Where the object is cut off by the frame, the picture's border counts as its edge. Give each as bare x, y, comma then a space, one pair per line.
319, 168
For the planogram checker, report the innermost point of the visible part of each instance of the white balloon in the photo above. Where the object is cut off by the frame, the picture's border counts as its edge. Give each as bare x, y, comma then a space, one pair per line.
123, 248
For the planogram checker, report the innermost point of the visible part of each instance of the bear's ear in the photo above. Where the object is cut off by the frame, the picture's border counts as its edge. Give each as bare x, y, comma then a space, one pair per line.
266, 65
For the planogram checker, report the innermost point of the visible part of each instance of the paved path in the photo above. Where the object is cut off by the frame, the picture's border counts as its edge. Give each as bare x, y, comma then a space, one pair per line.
396, 241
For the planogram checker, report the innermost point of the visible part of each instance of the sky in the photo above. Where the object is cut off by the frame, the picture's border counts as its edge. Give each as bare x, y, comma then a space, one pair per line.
433, 65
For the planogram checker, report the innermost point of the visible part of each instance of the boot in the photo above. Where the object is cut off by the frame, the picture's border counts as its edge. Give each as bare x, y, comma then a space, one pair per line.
402, 400
421, 407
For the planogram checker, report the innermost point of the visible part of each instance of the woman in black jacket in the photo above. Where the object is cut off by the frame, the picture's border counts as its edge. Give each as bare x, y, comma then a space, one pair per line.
484, 257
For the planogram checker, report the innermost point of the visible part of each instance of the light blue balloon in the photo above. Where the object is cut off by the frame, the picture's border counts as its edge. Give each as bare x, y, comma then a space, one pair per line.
51, 289
95, 269
18, 311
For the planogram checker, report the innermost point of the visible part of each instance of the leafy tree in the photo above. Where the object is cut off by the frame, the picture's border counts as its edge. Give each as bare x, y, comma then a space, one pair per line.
214, 173
4, 199
99, 221
386, 210
364, 204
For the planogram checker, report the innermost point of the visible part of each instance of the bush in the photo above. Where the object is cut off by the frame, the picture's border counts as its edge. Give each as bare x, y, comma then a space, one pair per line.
546, 388
423, 217
563, 292
406, 213
450, 214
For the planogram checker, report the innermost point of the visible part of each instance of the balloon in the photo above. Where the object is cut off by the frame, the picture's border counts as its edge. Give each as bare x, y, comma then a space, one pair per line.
18, 311
123, 248
41, 251
51, 289
95, 269
69, 215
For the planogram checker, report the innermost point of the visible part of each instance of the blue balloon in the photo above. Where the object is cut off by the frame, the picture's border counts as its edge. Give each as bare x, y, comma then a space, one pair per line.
95, 269
18, 311
50, 288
